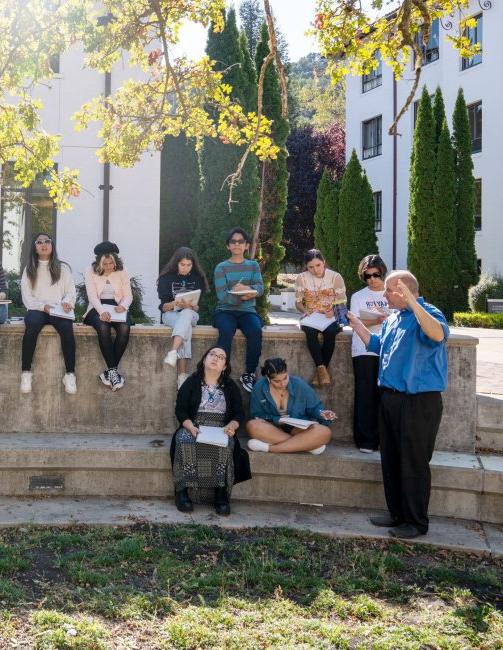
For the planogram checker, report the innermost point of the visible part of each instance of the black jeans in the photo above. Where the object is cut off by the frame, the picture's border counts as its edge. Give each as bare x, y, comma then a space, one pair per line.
408, 426
34, 322
366, 403
112, 350
321, 354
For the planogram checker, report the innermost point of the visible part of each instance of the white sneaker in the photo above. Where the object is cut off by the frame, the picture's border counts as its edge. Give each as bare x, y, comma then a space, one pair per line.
318, 450
70, 383
181, 378
364, 450
171, 358
26, 381
258, 445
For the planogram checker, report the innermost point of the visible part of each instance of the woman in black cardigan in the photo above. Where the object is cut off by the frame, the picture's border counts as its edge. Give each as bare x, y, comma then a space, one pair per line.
203, 472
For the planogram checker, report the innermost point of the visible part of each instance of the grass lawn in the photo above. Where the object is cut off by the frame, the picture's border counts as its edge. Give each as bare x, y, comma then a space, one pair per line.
199, 587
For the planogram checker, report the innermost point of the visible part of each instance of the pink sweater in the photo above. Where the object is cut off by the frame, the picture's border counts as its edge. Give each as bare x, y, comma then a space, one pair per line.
96, 283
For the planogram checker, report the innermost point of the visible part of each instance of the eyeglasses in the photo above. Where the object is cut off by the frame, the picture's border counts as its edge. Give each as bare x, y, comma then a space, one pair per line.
40, 242
367, 276
220, 357
237, 241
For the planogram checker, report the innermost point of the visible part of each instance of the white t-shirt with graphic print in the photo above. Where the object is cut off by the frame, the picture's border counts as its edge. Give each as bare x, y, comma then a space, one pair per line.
366, 299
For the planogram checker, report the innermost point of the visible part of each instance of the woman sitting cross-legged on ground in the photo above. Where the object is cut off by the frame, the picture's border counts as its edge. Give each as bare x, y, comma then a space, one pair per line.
182, 273
109, 292
204, 472
319, 289
278, 395
47, 282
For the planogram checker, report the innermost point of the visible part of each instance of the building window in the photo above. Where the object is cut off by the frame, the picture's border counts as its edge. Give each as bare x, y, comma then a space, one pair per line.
475, 118
474, 35
430, 51
374, 77
23, 213
378, 211
477, 204
372, 138
54, 63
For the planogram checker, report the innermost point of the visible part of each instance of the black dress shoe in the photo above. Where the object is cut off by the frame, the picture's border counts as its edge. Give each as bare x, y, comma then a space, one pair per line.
386, 521
222, 505
183, 502
405, 531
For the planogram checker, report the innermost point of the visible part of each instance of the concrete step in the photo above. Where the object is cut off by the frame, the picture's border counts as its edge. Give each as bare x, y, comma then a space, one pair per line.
489, 435
467, 486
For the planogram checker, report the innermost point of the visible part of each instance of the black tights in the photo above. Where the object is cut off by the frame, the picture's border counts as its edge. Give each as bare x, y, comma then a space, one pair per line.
321, 354
111, 350
34, 322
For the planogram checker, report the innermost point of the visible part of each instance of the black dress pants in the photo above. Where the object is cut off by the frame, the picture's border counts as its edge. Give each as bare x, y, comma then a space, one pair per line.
34, 321
366, 404
408, 426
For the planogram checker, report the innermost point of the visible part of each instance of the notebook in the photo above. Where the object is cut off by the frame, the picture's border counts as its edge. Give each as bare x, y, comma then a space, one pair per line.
369, 314
296, 422
243, 293
212, 436
5, 302
317, 321
57, 310
116, 316
189, 296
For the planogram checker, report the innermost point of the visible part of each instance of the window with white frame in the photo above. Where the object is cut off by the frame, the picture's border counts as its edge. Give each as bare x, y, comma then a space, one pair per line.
431, 49
475, 119
374, 78
372, 137
474, 35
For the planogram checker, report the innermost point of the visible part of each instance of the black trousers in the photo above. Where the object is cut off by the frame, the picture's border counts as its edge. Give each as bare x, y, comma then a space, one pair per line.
408, 426
112, 350
34, 321
321, 354
366, 403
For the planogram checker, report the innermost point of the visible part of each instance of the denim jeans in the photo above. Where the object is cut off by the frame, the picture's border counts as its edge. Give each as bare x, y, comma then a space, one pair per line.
182, 323
3, 313
250, 323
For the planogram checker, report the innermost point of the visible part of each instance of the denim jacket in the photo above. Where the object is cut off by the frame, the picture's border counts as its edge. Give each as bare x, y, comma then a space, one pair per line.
303, 402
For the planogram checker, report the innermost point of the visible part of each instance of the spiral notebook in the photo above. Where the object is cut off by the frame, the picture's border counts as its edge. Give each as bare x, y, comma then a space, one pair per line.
212, 436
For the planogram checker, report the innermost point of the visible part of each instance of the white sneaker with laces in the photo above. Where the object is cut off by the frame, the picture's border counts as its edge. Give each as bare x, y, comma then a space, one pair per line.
171, 358
258, 445
70, 383
364, 450
181, 378
26, 381
318, 450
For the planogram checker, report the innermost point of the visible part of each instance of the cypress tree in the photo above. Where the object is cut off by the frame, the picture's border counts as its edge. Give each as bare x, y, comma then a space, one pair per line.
326, 219
357, 236
251, 15
179, 196
421, 209
464, 206
274, 183
249, 97
218, 160
438, 114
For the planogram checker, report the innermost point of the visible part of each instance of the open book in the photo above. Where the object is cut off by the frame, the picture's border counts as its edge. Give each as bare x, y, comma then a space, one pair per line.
115, 316
189, 296
317, 321
212, 436
57, 310
296, 422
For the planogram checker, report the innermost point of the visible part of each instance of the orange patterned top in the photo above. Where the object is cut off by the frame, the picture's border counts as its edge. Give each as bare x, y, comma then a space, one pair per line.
320, 294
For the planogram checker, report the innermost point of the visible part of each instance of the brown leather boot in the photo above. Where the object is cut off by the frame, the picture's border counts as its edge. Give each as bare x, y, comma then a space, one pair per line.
324, 378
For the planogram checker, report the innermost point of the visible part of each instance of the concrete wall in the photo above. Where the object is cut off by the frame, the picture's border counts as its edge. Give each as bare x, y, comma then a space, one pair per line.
146, 403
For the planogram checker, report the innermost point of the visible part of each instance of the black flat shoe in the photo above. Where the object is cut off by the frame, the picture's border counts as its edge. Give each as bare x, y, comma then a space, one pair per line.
222, 505
183, 502
405, 531
386, 521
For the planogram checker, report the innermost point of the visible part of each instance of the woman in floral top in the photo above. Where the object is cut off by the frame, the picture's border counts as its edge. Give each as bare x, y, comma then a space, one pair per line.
319, 289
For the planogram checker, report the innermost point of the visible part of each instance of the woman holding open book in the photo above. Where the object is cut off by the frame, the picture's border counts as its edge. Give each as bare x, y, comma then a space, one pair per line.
109, 293
180, 286
320, 294
47, 288
206, 457
287, 414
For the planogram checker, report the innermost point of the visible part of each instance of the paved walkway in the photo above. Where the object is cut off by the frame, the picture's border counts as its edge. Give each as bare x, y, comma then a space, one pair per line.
454, 534
489, 351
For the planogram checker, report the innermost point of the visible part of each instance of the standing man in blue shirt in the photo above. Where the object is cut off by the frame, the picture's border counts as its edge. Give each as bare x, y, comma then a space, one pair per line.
412, 373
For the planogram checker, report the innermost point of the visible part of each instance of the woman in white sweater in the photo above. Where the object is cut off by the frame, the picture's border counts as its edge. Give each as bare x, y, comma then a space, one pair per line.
46, 283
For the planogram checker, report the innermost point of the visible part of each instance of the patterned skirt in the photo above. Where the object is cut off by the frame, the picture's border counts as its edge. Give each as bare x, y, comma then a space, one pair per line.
201, 468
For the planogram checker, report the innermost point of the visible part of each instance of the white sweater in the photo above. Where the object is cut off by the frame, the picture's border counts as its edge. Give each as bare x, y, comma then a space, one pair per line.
45, 293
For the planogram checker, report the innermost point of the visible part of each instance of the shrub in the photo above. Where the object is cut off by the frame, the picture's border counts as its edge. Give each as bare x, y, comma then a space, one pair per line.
469, 319
14, 288
488, 286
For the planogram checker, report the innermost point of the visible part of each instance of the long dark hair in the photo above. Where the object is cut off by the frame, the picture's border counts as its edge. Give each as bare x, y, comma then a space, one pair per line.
273, 367
185, 253
97, 268
313, 254
224, 377
54, 261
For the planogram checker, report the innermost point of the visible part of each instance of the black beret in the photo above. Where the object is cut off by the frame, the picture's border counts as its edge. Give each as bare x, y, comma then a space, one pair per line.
106, 247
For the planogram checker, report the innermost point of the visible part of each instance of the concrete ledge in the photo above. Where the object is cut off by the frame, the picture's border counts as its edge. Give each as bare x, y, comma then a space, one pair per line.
490, 422
146, 403
464, 485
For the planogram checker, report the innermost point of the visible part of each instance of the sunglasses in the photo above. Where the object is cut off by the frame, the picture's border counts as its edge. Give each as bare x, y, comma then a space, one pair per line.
40, 242
237, 241
367, 276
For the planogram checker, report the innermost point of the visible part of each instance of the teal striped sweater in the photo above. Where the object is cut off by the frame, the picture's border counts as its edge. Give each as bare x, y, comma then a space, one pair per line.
227, 274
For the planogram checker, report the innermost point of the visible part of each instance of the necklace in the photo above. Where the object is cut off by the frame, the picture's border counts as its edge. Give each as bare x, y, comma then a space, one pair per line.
211, 394
316, 285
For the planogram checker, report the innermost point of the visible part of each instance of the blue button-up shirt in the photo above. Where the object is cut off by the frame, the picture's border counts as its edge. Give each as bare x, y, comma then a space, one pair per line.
303, 402
409, 361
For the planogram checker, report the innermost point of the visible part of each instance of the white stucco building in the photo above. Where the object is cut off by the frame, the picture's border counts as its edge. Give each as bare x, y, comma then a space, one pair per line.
372, 102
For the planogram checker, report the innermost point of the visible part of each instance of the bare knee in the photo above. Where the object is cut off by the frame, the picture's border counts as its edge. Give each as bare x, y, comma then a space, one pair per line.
254, 427
323, 433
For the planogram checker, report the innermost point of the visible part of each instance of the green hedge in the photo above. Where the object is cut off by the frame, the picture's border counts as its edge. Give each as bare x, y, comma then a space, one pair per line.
478, 319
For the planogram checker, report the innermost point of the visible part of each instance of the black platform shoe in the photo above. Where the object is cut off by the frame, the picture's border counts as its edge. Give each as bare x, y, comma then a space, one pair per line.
183, 502
222, 505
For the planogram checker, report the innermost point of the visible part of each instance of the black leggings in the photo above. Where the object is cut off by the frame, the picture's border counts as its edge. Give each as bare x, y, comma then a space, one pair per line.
321, 354
111, 350
34, 321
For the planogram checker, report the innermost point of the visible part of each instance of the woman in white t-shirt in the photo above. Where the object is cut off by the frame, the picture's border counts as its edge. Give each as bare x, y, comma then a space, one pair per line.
372, 271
